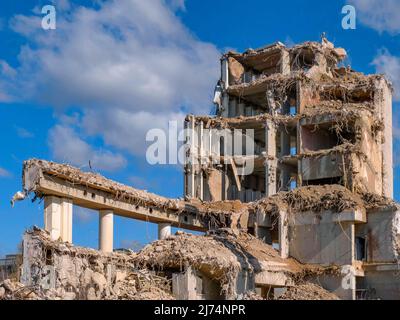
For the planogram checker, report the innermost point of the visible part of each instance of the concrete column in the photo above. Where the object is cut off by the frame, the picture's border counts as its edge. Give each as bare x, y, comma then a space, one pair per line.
387, 145
225, 72
58, 218
283, 234
225, 79
106, 232
225, 105
248, 111
52, 216
285, 143
200, 178
271, 162
66, 220
263, 226
190, 159
285, 62
285, 177
285, 151
233, 108
164, 231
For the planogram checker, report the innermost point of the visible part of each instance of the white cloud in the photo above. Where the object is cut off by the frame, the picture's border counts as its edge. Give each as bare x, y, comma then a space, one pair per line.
139, 182
127, 129
289, 42
6, 70
129, 65
4, 173
84, 215
63, 5
68, 147
3, 96
133, 245
7, 73
178, 4
381, 15
389, 65
23, 133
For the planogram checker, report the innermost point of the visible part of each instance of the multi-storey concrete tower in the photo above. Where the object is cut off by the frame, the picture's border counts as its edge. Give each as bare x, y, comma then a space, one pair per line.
314, 123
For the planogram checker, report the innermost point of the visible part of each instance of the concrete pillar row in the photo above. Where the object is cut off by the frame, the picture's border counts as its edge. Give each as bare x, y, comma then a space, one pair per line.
164, 230
106, 230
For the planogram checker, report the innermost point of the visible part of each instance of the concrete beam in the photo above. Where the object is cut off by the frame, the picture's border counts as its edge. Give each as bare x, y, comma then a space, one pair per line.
382, 267
356, 216
96, 199
106, 230
273, 279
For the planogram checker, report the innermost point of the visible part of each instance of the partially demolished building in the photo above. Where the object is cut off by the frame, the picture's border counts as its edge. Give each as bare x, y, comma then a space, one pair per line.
314, 123
292, 181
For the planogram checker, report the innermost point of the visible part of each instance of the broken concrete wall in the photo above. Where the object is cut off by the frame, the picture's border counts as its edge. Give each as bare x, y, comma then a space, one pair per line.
323, 167
381, 283
382, 235
194, 285
341, 285
367, 166
316, 238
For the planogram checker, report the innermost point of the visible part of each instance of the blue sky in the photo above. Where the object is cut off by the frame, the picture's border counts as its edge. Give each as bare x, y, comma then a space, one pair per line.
112, 70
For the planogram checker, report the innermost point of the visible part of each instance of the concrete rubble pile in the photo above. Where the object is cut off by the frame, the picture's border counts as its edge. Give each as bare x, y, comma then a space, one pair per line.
57, 270
307, 291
